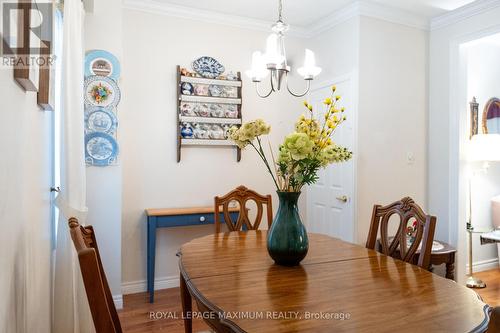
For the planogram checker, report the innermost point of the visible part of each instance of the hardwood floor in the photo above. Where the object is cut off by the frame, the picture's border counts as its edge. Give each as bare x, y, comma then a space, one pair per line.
139, 316
490, 294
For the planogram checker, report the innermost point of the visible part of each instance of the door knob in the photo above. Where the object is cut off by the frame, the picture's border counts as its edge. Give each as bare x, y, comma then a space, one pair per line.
343, 198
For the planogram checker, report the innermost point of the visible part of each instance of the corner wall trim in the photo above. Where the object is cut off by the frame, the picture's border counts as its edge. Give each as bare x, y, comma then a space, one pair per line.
460, 14
118, 300
135, 287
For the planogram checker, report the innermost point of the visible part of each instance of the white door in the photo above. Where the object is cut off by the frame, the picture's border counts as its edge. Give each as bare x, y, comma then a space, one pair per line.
330, 201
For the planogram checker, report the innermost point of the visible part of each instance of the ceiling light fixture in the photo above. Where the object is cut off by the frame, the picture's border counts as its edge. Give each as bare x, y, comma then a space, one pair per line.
274, 62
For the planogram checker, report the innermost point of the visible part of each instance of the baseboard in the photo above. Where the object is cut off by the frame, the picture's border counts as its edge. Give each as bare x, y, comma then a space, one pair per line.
135, 287
484, 265
118, 300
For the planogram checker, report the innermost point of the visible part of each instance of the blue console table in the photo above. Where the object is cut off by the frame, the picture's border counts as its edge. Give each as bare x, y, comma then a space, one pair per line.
175, 217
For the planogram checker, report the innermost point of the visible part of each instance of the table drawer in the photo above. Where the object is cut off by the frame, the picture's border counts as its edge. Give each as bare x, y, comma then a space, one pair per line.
191, 219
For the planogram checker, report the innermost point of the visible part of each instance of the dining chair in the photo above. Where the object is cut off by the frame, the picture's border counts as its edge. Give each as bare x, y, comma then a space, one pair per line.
101, 303
242, 196
408, 238
494, 324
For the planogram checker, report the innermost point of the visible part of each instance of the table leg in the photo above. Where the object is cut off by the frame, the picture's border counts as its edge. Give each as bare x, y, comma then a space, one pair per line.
187, 306
151, 257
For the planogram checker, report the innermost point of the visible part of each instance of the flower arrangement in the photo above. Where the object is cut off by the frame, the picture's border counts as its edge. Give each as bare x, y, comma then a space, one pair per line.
304, 152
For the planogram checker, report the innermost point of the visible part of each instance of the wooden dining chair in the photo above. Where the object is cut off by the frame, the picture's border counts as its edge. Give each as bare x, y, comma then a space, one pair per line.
242, 196
494, 324
99, 297
422, 231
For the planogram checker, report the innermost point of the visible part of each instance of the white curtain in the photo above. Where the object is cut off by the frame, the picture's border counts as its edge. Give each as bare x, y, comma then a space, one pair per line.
70, 308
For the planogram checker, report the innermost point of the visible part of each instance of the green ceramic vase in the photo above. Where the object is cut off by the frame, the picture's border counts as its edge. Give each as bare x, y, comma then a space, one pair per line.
287, 241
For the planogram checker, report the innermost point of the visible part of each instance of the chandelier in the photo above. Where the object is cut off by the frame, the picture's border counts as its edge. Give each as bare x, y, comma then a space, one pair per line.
273, 62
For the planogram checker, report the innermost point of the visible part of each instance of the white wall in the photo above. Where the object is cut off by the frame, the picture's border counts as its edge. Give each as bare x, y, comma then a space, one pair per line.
447, 126
104, 184
25, 216
483, 81
392, 115
153, 46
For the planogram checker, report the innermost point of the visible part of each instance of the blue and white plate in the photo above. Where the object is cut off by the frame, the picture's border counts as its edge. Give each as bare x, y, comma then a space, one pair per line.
101, 91
101, 149
208, 67
102, 63
99, 119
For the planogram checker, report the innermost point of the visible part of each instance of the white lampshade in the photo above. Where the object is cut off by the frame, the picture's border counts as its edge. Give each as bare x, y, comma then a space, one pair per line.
259, 69
309, 70
484, 148
274, 51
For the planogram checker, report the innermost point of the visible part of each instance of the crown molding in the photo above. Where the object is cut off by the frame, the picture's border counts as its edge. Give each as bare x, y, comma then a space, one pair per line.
207, 16
329, 22
356, 9
393, 15
463, 13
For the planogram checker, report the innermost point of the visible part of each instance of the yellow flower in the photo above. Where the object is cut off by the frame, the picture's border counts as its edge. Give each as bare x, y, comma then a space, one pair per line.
335, 119
310, 107
343, 109
337, 97
334, 88
328, 101
306, 104
344, 118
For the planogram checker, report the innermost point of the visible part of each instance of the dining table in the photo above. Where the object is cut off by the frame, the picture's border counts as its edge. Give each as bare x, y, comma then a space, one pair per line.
338, 287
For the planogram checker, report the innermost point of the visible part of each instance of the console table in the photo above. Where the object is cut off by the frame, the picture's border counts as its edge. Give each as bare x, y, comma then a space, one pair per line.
174, 217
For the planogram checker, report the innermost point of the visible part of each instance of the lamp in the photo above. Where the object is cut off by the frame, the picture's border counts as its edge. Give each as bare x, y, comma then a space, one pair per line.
482, 148
274, 61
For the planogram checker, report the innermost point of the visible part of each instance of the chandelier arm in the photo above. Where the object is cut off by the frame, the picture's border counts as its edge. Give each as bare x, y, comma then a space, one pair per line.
259, 93
299, 95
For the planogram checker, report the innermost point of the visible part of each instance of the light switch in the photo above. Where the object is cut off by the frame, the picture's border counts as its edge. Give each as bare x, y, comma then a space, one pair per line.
410, 158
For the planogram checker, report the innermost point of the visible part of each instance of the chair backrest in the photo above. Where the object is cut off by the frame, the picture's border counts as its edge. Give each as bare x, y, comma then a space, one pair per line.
407, 239
242, 196
99, 296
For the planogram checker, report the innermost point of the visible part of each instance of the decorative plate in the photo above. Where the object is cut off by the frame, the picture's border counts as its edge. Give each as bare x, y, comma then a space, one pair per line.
187, 110
101, 149
208, 67
216, 110
99, 119
215, 90
202, 110
102, 63
201, 90
187, 88
101, 91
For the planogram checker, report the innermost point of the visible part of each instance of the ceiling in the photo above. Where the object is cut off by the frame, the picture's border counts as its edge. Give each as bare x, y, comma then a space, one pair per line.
304, 13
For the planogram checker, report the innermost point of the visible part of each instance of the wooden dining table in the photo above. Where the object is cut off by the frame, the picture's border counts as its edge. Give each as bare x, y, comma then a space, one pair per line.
339, 287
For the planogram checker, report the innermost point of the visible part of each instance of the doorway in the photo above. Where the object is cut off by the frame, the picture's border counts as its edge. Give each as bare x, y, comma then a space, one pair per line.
331, 201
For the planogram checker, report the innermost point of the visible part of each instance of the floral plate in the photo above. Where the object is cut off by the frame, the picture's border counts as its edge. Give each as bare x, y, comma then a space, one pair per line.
208, 67
99, 119
101, 91
101, 149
